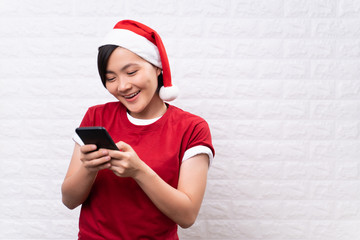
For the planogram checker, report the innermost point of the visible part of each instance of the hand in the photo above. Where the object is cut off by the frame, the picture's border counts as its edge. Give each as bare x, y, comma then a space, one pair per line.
93, 160
125, 163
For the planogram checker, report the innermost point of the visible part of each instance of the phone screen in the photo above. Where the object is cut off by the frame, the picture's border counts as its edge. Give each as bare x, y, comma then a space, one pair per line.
96, 135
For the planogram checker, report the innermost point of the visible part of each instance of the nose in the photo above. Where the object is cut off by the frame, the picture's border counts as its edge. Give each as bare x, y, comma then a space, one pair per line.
124, 85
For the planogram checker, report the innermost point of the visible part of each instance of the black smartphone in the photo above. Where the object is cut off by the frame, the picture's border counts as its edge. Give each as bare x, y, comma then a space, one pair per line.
96, 135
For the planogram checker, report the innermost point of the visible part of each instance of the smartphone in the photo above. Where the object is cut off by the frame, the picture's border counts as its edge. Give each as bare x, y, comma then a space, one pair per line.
96, 135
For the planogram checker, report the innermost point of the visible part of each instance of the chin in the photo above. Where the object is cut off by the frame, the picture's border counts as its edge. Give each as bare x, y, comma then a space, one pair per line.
136, 110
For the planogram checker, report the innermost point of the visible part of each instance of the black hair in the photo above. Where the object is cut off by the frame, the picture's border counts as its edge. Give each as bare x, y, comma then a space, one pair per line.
103, 59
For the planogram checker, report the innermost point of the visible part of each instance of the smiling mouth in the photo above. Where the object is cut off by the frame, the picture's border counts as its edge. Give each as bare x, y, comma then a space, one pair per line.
131, 95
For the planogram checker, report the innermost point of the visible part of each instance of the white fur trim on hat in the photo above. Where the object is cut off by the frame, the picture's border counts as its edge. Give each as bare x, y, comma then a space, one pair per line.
134, 43
169, 93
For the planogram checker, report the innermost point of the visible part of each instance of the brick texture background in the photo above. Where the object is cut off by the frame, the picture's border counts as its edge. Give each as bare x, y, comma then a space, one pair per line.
277, 80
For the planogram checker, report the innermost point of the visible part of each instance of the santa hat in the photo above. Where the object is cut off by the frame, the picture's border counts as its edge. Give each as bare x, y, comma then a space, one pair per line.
146, 43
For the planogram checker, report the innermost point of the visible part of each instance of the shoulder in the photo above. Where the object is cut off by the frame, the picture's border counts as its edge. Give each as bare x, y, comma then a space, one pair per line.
187, 121
177, 113
105, 106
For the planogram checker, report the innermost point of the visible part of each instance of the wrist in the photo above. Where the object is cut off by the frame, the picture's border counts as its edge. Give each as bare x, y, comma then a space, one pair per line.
87, 172
143, 173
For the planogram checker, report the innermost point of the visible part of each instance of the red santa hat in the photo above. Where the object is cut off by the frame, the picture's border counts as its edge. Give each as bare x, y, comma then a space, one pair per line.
146, 43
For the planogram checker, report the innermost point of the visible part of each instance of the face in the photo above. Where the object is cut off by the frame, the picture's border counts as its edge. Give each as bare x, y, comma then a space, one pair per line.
134, 81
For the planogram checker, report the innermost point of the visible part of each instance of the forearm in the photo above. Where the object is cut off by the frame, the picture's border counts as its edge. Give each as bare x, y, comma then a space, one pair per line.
76, 188
175, 204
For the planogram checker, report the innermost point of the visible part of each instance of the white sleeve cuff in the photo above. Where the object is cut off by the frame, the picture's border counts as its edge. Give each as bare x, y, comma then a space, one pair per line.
191, 152
77, 139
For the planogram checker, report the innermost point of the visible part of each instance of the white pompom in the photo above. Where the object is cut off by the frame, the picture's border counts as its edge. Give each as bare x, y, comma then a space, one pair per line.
169, 93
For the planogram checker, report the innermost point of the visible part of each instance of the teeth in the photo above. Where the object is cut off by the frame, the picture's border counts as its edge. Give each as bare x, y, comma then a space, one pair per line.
132, 95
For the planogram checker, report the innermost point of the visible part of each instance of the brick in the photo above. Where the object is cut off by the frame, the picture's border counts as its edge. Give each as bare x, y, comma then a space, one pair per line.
236, 150
348, 48
342, 110
93, 8
230, 29
347, 130
333, 190
333, 69
48, 8
349, 8
319, 210
219, 169
224, 108
66, 228
280, 69
214, 209
348, 89
257, 210
10, 8
283, 110
347, 210
240, 229
215, 185
277, 190
282, 150
213, 8
259, 8
253, 170
147, 7
258, 130
347, 171
283, 229
315, 89
280, 28
301, 170
305, 48
257, 89
220, 129
332, 151
250, 48
310, 130
317, 8
214, 88
330, 28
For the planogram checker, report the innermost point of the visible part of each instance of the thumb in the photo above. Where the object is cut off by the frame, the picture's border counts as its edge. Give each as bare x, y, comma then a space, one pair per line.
122, 146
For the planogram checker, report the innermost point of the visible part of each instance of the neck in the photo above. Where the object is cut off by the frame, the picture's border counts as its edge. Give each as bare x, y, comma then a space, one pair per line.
155, 109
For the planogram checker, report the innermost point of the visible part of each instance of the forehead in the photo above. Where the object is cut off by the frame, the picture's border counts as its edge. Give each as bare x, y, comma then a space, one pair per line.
122, 56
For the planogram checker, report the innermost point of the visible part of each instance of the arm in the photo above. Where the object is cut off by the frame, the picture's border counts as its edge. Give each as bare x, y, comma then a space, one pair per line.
81, 174
182, 205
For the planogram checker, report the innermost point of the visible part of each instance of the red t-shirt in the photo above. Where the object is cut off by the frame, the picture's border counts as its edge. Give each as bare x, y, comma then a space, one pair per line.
117, 208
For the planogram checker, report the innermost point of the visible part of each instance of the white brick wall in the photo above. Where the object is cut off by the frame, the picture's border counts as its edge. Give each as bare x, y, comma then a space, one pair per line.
278, 81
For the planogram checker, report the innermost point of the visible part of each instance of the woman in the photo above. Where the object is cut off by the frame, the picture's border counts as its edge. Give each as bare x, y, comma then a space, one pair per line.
157, 179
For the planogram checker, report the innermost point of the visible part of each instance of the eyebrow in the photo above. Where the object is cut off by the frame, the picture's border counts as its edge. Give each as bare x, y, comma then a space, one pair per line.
124, 67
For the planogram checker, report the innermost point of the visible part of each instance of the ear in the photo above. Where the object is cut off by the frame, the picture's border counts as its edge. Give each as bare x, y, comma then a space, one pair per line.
158, 71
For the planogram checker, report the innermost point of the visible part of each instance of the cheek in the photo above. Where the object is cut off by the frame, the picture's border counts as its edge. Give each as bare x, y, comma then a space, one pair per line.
110, 87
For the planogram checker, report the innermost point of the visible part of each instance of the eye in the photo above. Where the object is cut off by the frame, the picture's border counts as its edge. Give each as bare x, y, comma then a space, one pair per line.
132, 73
110, 79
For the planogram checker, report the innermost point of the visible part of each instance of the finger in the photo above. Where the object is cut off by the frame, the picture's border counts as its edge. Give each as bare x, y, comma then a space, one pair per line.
105, 165
95, 154
118, 171
97, 163
118, 155
122, 146
88, 148
120, 163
